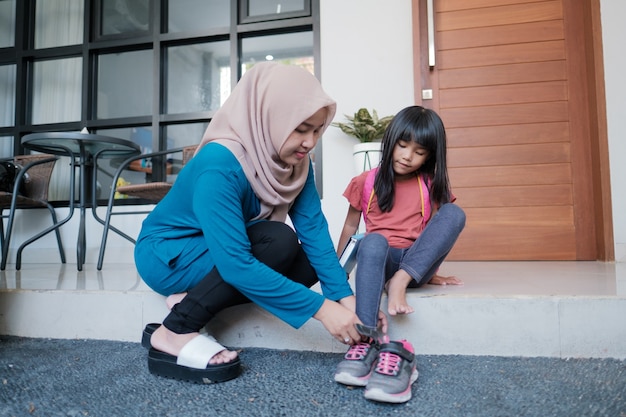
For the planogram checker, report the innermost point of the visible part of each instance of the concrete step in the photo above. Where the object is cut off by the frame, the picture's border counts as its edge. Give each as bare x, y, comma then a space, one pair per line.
548, 309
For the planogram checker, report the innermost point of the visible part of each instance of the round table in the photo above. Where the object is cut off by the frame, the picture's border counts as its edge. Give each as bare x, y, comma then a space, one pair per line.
88, 149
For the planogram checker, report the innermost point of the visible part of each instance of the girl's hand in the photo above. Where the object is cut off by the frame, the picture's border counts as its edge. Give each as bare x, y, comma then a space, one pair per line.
339, 321
382, 321
440, 280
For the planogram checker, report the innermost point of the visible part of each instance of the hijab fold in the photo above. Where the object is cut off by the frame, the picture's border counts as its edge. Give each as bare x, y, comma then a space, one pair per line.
269, 102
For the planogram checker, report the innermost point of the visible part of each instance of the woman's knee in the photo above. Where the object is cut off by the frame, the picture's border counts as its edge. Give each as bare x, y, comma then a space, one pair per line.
273, 239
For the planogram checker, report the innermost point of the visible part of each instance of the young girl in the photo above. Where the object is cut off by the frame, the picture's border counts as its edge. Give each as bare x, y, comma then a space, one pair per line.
411, 226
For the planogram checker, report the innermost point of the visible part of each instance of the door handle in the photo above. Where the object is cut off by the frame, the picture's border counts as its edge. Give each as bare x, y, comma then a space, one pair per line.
430, 12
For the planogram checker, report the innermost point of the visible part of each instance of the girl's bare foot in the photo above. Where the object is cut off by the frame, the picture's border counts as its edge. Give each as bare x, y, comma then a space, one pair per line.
169, 342
174, 299
396, 294
440, 280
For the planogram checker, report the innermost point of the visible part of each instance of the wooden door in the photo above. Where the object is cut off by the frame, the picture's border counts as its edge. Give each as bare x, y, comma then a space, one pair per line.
511, 84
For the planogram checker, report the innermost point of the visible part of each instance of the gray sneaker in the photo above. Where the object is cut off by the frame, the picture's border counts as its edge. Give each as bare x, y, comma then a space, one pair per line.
357, 363
395, 371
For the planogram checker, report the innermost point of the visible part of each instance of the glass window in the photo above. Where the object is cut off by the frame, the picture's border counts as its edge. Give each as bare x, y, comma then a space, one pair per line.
58, 23
184, 134
6, 146
197, 15
125, 84
7, 23
125, 16
108, 166
196, 76
268, 7
7, 95
57, 90
291, 48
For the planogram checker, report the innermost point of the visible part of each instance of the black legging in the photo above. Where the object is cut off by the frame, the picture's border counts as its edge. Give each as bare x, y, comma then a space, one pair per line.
273, 243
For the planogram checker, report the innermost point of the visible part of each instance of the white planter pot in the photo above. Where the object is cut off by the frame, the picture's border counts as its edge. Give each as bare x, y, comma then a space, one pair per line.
366, 156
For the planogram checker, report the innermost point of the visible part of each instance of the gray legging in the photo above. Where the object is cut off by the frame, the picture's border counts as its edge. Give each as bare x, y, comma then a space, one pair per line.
377, 261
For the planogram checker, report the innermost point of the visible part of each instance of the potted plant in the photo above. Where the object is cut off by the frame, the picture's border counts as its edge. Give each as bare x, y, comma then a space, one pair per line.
368, 128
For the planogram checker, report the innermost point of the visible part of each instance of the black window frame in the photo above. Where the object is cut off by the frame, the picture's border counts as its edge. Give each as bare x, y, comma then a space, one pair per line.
23, 55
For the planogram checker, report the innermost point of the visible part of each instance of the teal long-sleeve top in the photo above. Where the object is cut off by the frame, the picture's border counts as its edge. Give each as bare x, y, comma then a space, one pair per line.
201, 224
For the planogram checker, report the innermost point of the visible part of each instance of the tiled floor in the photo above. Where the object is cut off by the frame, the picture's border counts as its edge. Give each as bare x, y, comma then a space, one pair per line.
497, 278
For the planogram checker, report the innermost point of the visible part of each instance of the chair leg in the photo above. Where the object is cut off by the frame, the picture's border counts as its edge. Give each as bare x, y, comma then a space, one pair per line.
58, 234
2, 238
55, 226
7, 236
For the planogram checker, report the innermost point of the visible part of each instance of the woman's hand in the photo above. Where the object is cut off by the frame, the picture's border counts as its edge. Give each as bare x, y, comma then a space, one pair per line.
349, 302
339, 321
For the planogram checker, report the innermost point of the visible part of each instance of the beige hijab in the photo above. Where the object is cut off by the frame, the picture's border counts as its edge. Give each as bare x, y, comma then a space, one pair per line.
269, 102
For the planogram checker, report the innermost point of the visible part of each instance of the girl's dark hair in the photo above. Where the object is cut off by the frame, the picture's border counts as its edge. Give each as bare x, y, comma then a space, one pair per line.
424, 127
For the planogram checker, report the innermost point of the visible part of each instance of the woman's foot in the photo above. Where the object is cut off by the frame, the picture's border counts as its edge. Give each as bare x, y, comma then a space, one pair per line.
174, 299
169, 342
396, 294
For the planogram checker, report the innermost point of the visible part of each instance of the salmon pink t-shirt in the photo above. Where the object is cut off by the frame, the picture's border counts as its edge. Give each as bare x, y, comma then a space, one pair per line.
403, 224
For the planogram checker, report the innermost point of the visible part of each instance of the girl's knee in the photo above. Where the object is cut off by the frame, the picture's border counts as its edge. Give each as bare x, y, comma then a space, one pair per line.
373, 242
372, 239
454, 214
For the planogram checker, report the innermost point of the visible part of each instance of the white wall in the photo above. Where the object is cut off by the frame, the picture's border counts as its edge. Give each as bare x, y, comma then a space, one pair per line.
367, 61
613, 35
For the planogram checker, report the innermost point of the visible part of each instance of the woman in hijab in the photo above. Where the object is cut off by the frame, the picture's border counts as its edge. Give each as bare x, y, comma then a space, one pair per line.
219, 237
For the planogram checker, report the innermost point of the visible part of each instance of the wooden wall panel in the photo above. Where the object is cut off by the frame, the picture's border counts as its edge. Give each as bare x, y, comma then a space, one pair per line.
505, 115
502, 74
498, 15
504, 94
502, 35
515, 243
502, 54
511, 175
535, 154
502, 85
515, 196
503, 217
515, 134
456, 5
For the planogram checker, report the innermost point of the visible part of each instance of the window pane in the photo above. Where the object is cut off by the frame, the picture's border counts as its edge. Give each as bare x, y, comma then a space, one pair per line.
108, 166
6, 146
7, 23
264, 7
7, 95
291, 49
125, 84
185, 134
195, 15
196, 77
58, 23
57, 90
125, 16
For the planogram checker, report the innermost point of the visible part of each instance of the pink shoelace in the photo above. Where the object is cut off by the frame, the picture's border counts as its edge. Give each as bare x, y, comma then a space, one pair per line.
388, 364
357, 352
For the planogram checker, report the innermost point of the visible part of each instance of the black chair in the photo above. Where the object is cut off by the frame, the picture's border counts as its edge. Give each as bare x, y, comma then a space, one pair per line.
34, 181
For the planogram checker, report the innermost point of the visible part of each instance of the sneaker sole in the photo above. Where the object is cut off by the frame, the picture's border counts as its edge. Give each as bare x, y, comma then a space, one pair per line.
347, 379
377, 394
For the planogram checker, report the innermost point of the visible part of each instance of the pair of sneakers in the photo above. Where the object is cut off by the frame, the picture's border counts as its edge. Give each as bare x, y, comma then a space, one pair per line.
386, 370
